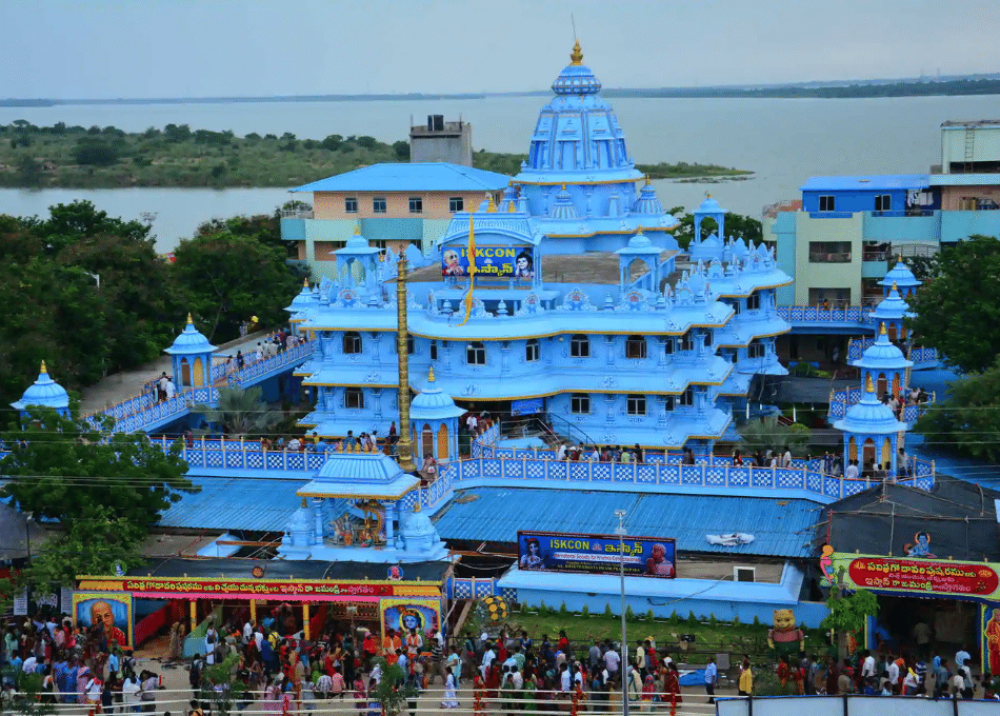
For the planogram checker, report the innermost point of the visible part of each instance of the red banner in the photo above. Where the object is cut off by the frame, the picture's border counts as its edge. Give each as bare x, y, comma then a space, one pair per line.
908, 575
306, 590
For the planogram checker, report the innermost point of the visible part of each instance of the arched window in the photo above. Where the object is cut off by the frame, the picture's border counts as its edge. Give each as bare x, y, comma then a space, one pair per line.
635, 347
352, 343
579, 404
531, 350
579, 346
636, 405
354, 398
475, 353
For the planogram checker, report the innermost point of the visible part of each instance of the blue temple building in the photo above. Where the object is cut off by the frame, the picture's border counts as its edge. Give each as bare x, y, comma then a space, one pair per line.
584, 307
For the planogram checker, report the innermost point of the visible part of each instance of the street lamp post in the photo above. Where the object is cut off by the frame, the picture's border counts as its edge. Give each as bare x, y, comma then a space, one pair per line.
625, 670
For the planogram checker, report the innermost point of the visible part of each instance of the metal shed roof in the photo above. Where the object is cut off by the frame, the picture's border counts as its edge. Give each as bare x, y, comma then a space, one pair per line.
781, 528
418, 176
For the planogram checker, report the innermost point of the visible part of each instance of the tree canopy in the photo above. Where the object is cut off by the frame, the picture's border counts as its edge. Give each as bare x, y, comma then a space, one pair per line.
736, 225
968, 421
959, 311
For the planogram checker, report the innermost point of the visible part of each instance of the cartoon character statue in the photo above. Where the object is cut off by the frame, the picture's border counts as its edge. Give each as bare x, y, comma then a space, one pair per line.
785, 637
826, 566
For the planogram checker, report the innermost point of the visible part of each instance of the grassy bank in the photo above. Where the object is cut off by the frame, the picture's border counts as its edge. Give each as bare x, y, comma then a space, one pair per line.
177, 156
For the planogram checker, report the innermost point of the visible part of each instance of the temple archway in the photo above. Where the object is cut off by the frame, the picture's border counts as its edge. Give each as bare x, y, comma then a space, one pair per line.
198, 377
442, 440
426, 441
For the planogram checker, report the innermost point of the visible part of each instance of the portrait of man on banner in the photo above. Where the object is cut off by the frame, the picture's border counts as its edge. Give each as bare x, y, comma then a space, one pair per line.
107, 615
408, 614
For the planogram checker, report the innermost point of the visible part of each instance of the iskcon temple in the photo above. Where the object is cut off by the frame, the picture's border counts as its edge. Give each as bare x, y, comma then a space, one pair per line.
559, 308
563, 295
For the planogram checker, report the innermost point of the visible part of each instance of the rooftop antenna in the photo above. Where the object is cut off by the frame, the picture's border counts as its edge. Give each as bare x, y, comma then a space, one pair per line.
573, 21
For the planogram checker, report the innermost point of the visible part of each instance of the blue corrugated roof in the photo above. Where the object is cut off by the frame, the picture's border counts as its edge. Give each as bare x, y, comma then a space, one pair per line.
872, 182
781, 528
419, 176
260, 505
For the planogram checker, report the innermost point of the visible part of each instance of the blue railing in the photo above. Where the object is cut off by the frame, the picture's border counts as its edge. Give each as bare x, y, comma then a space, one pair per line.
818, 314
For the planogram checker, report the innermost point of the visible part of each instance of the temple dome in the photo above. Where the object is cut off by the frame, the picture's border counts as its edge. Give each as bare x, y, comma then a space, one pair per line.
362, 467
303, 300
576, 78
190, 341
882, 354
302, 519
709, 206
44, 392
870, 416
901, 276
433, 404
563, 207
892, 307
707, 249
418, 524
647, 203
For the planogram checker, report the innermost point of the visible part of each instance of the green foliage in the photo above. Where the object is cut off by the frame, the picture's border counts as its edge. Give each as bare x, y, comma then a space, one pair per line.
607, 610
692, 619
674, 618
736, 621
585, 611
650, 616
228, 278
968, 422
241, 412
563, 611
390, 692
736, 225
26, 699
712, 621
629, 614
665, 170
401, 150
95, 151
756, 620
960, 322
222, 674
848, 611
768, 434
543, 611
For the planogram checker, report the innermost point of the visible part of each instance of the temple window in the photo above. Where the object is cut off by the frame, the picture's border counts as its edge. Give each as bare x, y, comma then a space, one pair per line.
755, 350
579, 346
378, 205
687, 342
531, 350
475, 353
687, 397
354, 398
416, 205
434, 350
636, 405
668, 346
350, 205
828, 203
456, 203
753, 302
579, 404
635, 347
352, 343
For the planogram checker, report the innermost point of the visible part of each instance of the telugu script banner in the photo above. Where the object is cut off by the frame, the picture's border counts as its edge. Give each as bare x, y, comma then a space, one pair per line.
597, 554
261, 588
920, 576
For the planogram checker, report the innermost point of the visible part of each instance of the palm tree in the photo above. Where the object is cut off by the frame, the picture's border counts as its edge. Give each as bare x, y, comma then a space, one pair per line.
241, 412
768, 434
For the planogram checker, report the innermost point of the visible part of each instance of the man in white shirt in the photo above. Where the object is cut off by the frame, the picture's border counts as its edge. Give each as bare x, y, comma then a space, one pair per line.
564, 679
893, 671
868, 666
786, 460
248, 632
488, 658
611, 662
471, 423
30, 664
852, 470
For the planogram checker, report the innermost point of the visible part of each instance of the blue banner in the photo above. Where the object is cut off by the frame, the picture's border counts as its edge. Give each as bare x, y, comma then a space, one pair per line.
491, 261
529, 406
597, 554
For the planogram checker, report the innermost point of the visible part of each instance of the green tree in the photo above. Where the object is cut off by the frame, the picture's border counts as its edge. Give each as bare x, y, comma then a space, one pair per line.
95, 151
231, 690
241, 412
226, 279
768, 434
402, 150
736, 225
968, 421
848, 611
957, 312
392, 692
70, 471
332, 143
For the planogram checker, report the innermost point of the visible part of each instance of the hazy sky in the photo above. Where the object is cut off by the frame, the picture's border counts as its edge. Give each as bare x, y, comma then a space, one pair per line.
197, 48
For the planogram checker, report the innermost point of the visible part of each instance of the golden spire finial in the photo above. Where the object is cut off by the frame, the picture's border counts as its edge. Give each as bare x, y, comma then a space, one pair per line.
708, 195
576, 56
490, 206
647, 179
43, 369
430, 375
895, 287
881, 329
511, 208
190, 321
357, 230
564, 186
869, 385
416, 507
305, 282
900, 257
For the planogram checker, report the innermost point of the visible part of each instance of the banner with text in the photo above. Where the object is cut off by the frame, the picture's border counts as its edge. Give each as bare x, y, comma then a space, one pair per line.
919, 576
491, 262
597, 554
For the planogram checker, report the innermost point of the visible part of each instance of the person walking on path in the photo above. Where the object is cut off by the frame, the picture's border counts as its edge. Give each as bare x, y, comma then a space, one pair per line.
711, 679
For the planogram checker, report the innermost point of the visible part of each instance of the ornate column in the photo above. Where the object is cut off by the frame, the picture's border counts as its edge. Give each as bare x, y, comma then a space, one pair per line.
317, 503
405, 444
504, 354
609, 343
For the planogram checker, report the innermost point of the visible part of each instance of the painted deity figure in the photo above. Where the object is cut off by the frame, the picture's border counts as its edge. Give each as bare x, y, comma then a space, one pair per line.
785, 637
992, 635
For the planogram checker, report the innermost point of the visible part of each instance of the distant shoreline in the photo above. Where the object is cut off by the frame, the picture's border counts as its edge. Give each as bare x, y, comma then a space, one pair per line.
958, 87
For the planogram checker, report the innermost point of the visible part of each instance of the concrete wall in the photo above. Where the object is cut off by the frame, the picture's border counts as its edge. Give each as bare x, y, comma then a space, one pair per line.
852, 200
903, 229
852, 706
453, 148
827, 275
782, 230
960, 225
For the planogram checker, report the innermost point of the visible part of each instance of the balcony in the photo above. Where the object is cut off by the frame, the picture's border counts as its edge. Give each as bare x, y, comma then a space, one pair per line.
820, 257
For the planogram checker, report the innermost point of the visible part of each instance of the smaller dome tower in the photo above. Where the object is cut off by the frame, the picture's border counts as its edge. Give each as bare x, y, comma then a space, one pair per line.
43, 393
191, 358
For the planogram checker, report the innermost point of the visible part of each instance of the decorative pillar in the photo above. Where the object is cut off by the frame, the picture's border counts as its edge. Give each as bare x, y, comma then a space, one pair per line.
504, 353
390, 539
609, 342
318, 510
194, 615
405, 445
253, 610
305, 621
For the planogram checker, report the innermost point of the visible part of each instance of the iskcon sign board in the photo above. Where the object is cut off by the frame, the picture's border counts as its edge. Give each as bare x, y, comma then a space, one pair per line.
491, 261
597, 554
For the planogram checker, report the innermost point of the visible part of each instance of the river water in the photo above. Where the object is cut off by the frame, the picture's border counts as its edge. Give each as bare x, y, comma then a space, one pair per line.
785, 141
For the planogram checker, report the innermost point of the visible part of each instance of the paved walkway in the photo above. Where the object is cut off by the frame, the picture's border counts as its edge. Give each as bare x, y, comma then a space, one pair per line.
127, 384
